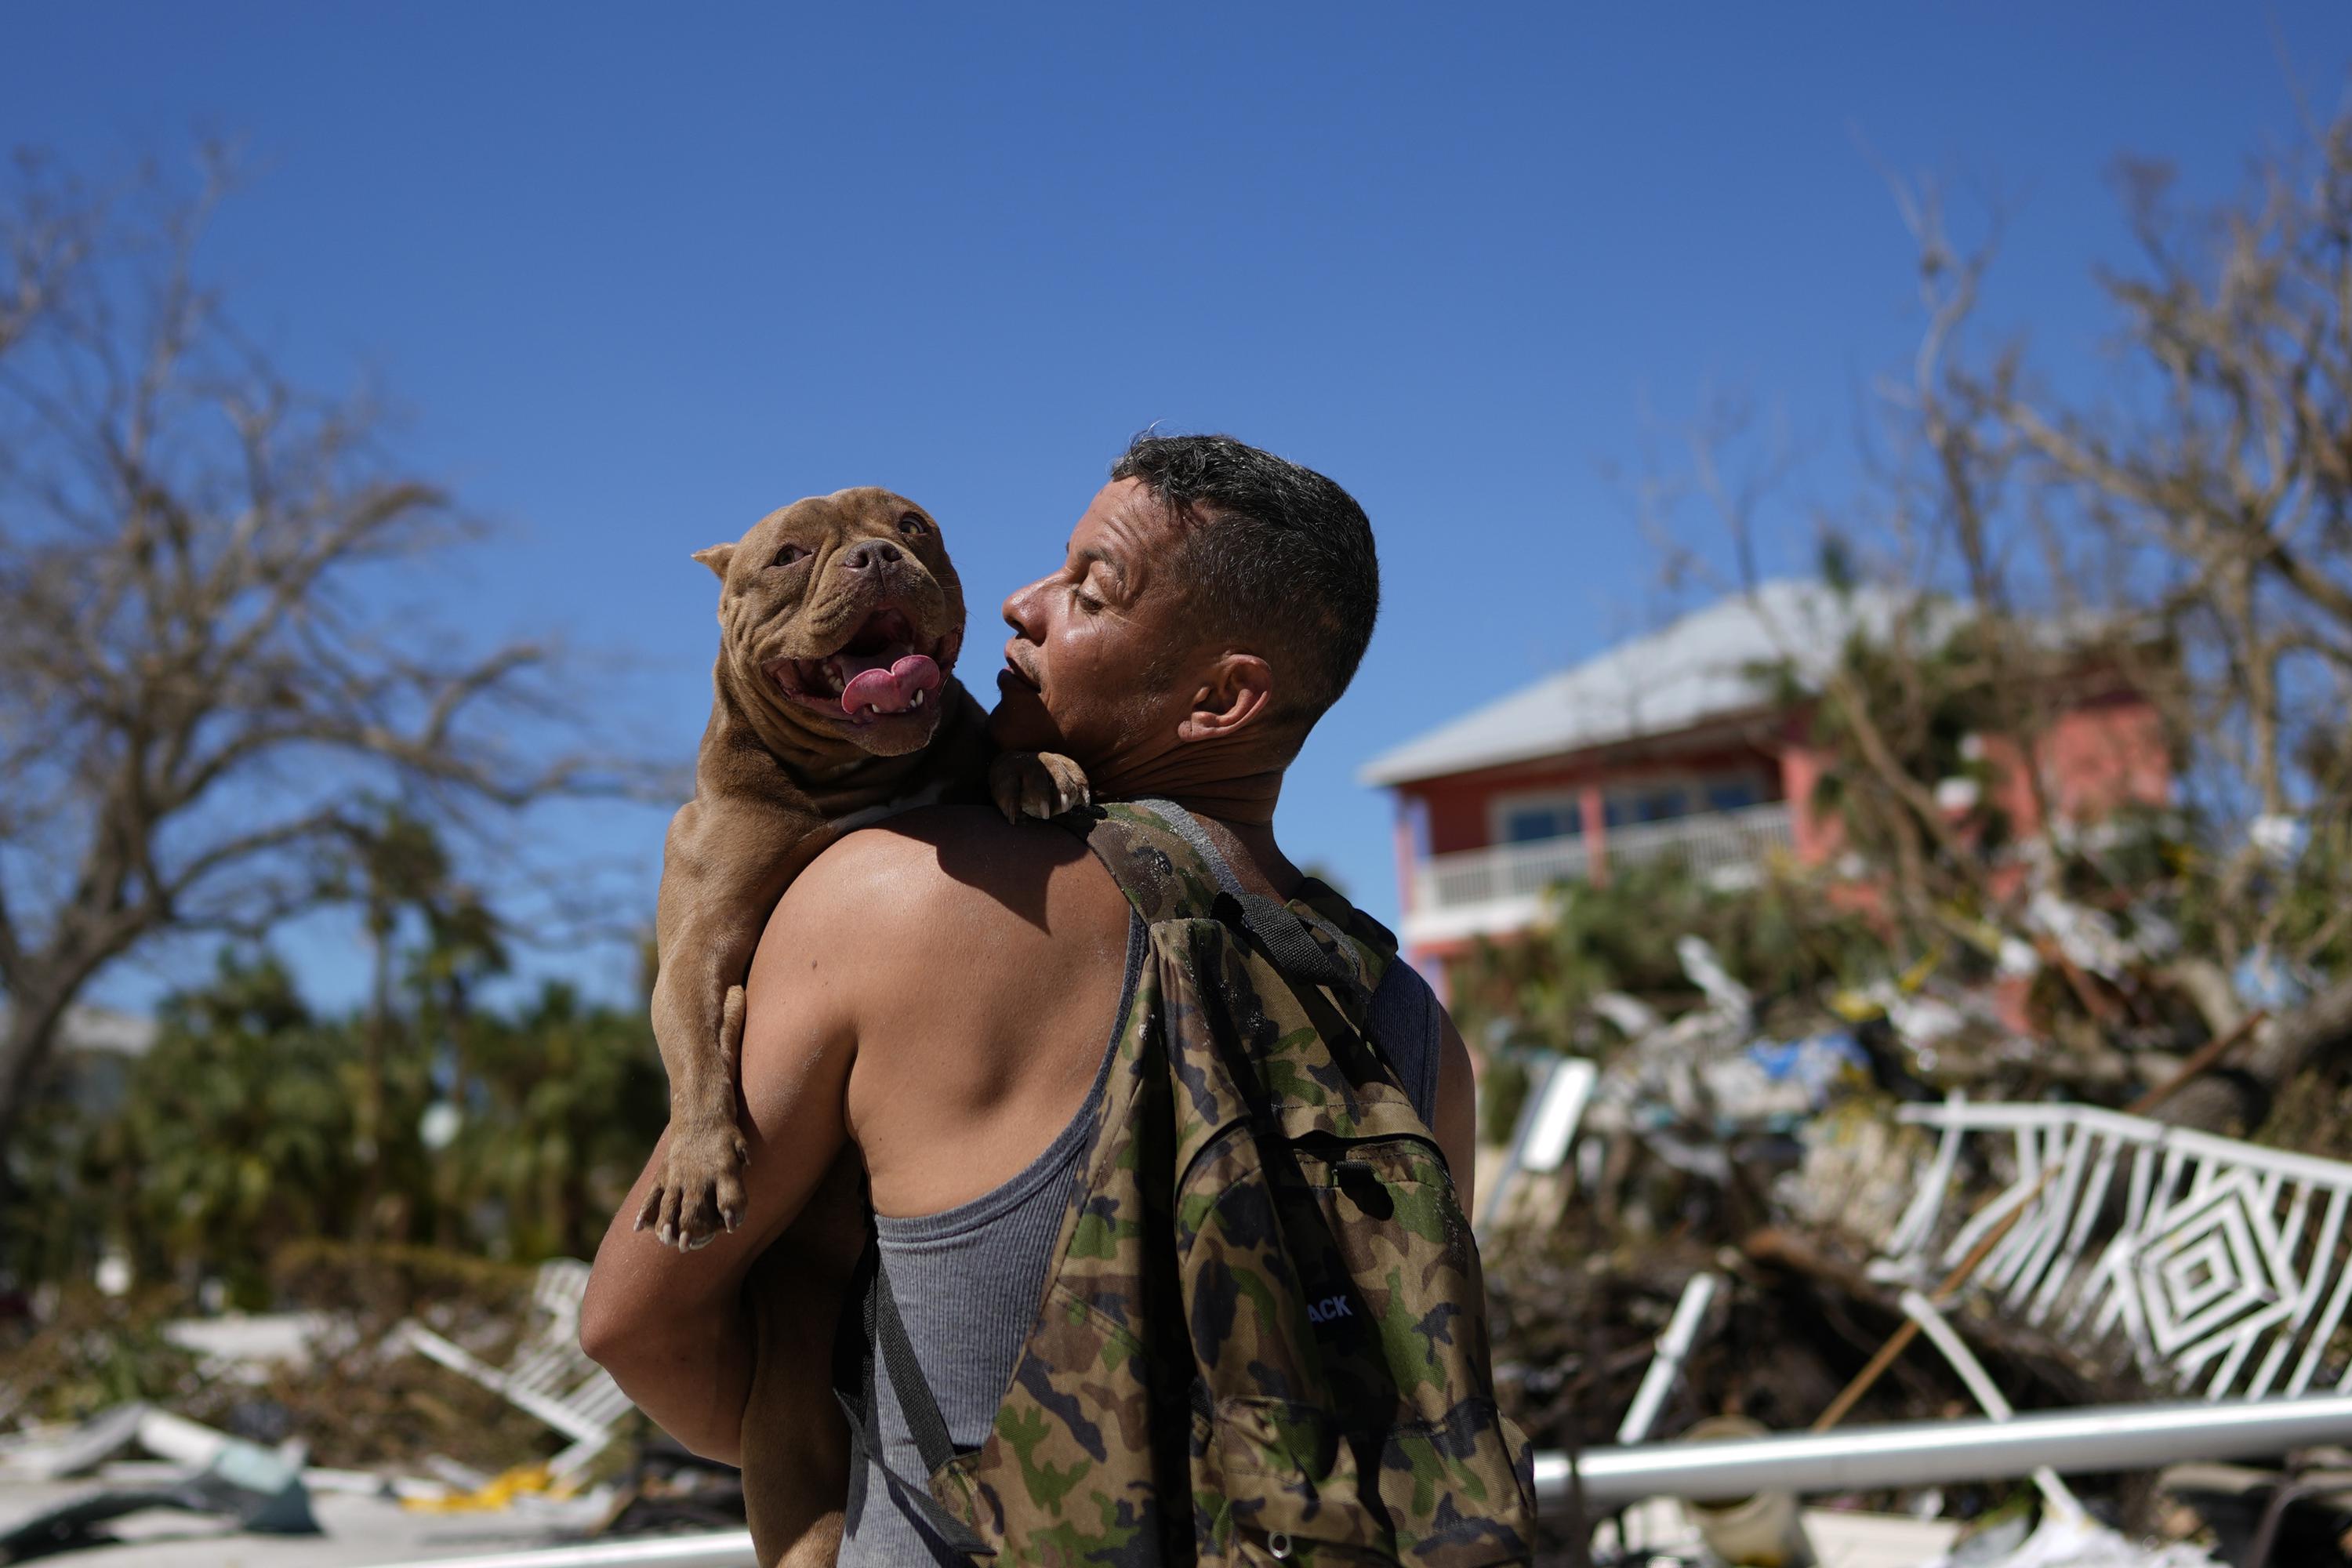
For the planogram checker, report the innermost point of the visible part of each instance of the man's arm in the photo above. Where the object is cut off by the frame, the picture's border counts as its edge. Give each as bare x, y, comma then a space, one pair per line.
1457, 1113
670, 1327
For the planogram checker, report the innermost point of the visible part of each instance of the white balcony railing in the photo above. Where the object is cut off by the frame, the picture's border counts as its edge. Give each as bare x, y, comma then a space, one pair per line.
1483, 891
1714, 841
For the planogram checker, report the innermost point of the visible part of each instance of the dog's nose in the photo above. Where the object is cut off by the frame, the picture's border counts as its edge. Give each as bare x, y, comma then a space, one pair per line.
873, 552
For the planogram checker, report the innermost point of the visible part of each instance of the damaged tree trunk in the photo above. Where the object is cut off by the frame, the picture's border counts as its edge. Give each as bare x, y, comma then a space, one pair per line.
25, 1043
2307, 1037
2315, 1034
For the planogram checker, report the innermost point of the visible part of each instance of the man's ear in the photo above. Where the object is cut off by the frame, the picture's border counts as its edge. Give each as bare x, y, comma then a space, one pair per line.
716, 558
1238, 692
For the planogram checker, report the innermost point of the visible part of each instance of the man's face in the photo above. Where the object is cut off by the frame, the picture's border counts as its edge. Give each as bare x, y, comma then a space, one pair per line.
1088, 641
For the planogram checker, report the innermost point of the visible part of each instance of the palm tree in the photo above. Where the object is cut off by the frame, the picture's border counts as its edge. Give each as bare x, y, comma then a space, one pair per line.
579, 1098
239, 1129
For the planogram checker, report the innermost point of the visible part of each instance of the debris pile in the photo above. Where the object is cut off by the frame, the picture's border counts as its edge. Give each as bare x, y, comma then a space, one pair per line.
407, 1387
1732, 1205
1723, 1205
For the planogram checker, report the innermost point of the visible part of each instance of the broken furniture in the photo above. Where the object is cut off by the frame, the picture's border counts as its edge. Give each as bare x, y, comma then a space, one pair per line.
2217, 1264
550, 1377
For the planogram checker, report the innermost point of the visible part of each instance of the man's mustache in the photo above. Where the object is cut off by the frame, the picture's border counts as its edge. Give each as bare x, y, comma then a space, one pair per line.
1021, 670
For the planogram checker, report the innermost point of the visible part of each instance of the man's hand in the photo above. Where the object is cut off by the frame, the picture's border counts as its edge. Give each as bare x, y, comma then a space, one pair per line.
670, 1327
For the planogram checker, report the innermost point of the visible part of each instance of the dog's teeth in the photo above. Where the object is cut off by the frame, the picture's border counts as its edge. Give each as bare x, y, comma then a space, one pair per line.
916, 700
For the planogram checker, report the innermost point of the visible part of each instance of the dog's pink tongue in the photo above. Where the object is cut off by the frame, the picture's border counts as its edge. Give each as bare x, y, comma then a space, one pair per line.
892, 691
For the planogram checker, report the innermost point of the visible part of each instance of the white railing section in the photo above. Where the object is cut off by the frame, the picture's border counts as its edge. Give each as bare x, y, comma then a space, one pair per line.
1505, 871
1712, 841
1502, 887
2220, 1265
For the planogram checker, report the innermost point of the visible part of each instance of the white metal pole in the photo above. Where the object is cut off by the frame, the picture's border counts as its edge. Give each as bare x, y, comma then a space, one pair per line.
1673, 1346
1925, 1453
1936, 1452
730, 1549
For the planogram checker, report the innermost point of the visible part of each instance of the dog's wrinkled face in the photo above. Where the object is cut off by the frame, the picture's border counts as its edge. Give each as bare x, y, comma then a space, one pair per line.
840, 619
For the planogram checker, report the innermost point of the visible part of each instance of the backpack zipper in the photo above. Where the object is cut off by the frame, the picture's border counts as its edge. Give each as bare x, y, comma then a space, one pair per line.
1318, 1141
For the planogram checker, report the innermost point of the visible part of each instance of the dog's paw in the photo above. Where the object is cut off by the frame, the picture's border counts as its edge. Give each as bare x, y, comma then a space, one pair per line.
700, 1191
1036, 784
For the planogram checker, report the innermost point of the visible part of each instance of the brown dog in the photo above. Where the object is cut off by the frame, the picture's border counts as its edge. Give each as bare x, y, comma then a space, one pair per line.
834, 703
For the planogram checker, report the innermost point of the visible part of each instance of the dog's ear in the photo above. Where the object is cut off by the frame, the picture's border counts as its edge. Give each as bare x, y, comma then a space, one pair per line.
716, 558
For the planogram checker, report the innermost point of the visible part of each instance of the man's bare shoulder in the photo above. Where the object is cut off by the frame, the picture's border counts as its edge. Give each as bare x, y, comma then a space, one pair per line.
923, 871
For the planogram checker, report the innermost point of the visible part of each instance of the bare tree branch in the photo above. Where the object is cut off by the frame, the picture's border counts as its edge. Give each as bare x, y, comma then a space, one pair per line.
198, 693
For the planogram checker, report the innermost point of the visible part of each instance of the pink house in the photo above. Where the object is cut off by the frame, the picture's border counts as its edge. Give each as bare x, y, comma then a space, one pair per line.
1675, 744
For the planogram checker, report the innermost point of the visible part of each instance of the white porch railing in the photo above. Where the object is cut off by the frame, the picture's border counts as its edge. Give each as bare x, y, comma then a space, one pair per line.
1484, 891
1714, 841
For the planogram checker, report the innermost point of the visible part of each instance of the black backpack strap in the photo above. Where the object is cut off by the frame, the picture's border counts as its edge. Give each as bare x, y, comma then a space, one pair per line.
1280, 932
1281, 928
878, 1326
1187, 827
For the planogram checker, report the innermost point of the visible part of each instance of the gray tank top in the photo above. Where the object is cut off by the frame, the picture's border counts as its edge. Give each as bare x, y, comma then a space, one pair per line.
969, 1279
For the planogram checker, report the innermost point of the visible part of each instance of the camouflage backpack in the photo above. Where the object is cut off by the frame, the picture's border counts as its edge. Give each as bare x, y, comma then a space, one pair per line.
1263, 1337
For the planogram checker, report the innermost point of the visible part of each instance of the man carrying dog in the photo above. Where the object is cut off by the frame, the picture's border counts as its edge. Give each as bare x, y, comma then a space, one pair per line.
940, 992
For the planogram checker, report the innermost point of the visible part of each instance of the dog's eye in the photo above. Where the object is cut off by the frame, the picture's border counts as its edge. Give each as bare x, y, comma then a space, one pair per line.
912, 526
787, 556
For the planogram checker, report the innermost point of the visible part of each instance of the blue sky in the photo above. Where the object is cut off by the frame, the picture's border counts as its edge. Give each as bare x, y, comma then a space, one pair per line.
640, 274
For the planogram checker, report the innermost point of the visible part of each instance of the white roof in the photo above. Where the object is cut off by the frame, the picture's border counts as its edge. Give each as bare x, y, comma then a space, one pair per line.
1701, 667
86, 1028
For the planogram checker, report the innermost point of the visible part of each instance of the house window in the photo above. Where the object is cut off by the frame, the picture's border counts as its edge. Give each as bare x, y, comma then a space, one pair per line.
1533, 824
1662, 800
1648, 803
1732, 793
